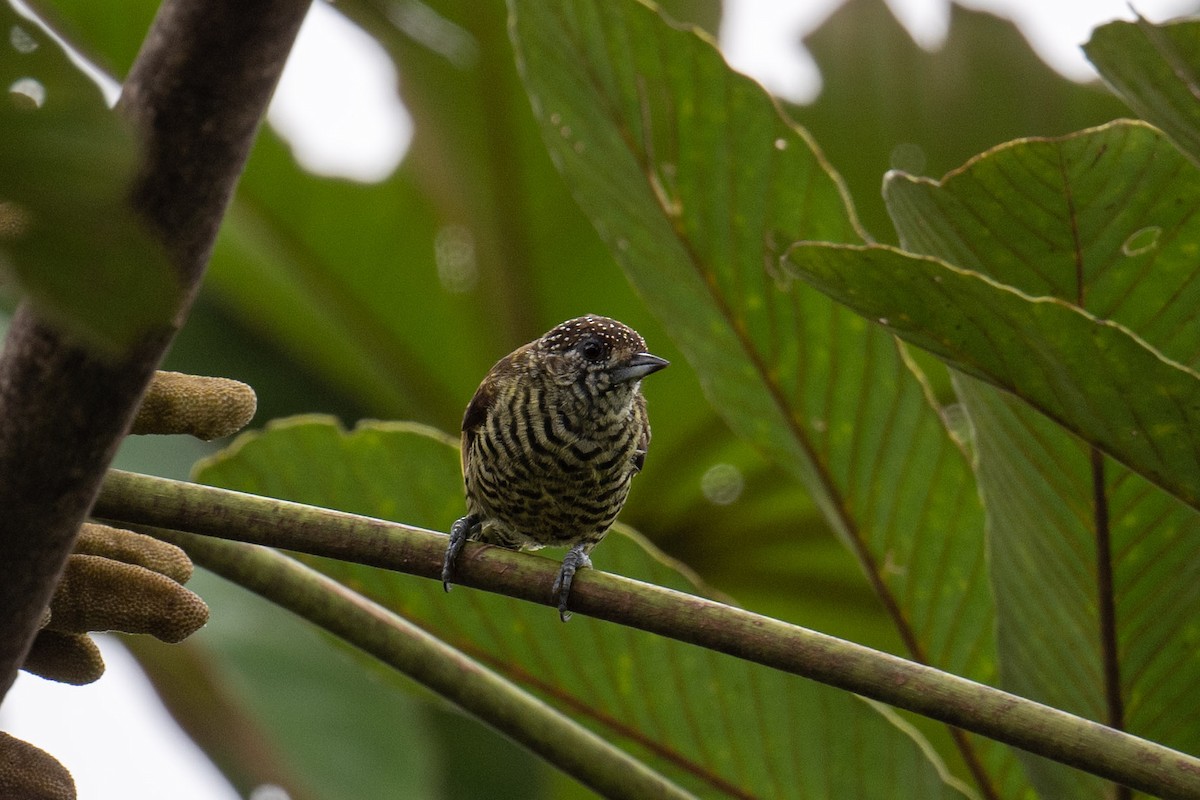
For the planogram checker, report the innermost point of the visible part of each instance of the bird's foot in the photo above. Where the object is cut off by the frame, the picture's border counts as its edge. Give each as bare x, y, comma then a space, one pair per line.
460, 531
575, 558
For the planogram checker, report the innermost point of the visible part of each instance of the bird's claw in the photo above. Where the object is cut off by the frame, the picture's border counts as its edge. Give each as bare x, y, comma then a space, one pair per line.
575, 558
460, 531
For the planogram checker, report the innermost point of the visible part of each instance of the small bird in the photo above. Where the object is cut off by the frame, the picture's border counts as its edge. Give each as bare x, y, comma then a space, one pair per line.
551, 441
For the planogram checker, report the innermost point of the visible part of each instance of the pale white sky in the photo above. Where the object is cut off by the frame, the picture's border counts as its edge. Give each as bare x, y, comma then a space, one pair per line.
113, 735
758, 36
337, 106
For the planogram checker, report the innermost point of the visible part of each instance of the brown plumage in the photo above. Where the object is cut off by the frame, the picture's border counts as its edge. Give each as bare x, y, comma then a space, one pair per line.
551, 441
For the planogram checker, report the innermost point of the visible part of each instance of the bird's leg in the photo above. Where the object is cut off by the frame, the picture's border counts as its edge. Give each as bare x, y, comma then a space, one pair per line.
575, 558
460, 531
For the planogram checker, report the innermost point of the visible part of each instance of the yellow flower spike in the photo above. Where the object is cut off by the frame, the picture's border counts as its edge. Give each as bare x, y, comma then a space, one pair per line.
29, 773
115, 580
64, 657
100, 594
207, 408
134, 548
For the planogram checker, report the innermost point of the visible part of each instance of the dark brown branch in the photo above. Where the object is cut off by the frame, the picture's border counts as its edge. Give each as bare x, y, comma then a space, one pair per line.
196, 95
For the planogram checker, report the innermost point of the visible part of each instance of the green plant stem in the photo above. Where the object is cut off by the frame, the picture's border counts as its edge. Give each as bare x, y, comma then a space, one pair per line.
429, 661
1005, 717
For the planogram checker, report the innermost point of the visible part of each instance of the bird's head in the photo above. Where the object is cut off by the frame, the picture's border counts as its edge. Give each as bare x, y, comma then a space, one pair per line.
600, 355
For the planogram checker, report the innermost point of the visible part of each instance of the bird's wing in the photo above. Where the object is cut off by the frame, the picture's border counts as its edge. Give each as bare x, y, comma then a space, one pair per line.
477, 410
476, 416
640, 415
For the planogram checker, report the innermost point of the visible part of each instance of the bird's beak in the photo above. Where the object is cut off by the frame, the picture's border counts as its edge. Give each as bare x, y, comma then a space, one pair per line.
638, 367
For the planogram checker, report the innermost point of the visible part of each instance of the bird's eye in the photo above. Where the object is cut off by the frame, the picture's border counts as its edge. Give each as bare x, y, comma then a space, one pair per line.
592, 349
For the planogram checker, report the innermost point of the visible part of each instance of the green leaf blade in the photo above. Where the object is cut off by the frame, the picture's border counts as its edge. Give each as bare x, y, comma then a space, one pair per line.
636, 150
900, 94
68, 236
1104, 220
1092, 376
1037, 485
698, 183
1156, 70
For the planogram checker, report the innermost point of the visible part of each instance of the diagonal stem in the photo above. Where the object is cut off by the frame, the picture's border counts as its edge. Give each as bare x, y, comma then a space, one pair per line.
429, 661
1037, 728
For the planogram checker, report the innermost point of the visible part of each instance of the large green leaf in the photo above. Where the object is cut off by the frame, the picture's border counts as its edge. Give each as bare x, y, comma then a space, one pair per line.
68, 237
719, 725
344, 299
1107, 220
697, 182
1156, 69
1091, 375
109, 41
888, 103
1039, 487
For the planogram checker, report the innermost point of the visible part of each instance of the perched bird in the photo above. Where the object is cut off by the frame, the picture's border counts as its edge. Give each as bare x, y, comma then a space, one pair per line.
550, 442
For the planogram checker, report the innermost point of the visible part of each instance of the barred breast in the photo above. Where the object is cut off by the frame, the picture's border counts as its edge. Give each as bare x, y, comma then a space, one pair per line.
542, 471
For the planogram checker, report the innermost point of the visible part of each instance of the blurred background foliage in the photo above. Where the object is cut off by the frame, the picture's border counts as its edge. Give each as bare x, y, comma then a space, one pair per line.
390, 300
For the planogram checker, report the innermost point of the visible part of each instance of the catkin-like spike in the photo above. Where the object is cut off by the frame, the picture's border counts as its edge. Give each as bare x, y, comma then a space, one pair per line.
64, 657
99, 594
134, 548
207, 408
30, 773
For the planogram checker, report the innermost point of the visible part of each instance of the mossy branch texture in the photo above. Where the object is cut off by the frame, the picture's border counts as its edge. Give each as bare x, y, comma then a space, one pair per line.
137, 499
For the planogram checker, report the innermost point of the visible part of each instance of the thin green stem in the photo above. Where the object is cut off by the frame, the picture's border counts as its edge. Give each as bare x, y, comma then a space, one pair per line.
398, 643
1005, 717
